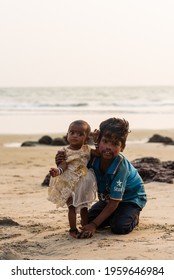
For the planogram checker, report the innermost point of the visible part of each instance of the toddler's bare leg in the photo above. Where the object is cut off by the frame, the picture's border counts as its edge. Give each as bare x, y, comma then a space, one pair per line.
72, 222
84, 216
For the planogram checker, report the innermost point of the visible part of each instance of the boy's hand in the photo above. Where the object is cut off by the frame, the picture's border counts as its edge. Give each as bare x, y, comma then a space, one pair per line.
87, 231
96, 135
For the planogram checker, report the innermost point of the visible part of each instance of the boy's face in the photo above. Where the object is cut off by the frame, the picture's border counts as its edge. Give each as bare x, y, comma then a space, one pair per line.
109, 149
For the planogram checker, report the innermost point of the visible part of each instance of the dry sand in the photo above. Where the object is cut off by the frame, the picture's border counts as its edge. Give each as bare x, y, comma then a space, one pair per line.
41, 231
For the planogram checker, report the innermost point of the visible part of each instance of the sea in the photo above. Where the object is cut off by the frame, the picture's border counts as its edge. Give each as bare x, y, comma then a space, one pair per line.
41, 110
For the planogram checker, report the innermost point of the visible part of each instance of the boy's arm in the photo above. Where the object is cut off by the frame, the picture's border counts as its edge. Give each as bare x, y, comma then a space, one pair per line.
60, 157
89, 229
95, 152
106, 212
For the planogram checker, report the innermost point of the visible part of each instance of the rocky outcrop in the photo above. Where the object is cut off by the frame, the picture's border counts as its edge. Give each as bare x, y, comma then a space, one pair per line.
5, 221
156, 138
29, 144
46, 140
152, 169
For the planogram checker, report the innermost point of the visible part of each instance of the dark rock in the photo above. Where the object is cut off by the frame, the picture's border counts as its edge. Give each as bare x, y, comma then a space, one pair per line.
156, 138
29, 144
7, 222
168, 164
149, 160
152, 169
59, 142
45, 140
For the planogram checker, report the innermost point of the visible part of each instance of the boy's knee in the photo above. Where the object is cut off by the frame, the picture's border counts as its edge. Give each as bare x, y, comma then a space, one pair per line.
124, 226
121, 228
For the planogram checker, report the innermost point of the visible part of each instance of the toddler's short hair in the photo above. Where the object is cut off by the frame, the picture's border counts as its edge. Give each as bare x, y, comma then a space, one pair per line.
115, 129
81, 123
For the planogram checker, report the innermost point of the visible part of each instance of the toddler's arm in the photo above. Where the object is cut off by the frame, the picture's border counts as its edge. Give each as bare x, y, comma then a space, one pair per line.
59, 170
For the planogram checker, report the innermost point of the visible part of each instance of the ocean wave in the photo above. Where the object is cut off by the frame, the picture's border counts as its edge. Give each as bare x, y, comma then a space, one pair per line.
133, 100
64, 105
123, 106
65, 112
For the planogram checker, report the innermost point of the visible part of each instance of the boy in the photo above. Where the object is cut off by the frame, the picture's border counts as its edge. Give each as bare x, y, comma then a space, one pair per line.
120, 188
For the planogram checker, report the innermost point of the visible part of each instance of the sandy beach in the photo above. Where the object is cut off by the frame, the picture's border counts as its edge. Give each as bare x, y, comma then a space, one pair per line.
33, 229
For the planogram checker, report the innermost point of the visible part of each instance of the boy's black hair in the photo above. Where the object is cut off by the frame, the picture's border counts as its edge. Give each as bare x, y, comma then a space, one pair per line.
115, 128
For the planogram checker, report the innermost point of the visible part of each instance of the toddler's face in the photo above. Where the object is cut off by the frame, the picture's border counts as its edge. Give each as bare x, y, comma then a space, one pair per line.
109, 149
76, 135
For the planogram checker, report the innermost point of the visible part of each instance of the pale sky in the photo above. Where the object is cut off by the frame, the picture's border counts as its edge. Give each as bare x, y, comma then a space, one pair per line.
86, 42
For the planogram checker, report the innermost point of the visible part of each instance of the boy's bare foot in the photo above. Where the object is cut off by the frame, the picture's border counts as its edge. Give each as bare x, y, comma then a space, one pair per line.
74, 233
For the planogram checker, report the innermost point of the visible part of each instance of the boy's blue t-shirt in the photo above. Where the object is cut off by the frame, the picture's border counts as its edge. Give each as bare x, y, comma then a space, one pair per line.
120, 182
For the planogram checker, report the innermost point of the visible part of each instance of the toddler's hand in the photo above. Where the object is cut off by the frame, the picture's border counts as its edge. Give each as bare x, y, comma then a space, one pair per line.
54, 172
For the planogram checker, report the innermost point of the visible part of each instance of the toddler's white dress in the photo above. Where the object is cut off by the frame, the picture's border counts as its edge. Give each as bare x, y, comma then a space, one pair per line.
77, 182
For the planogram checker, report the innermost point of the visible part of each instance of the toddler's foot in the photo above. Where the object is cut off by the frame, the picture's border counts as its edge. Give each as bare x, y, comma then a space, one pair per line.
74, 233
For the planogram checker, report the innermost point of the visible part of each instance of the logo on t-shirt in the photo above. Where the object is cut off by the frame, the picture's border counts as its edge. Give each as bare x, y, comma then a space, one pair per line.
119, 183
117, 188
